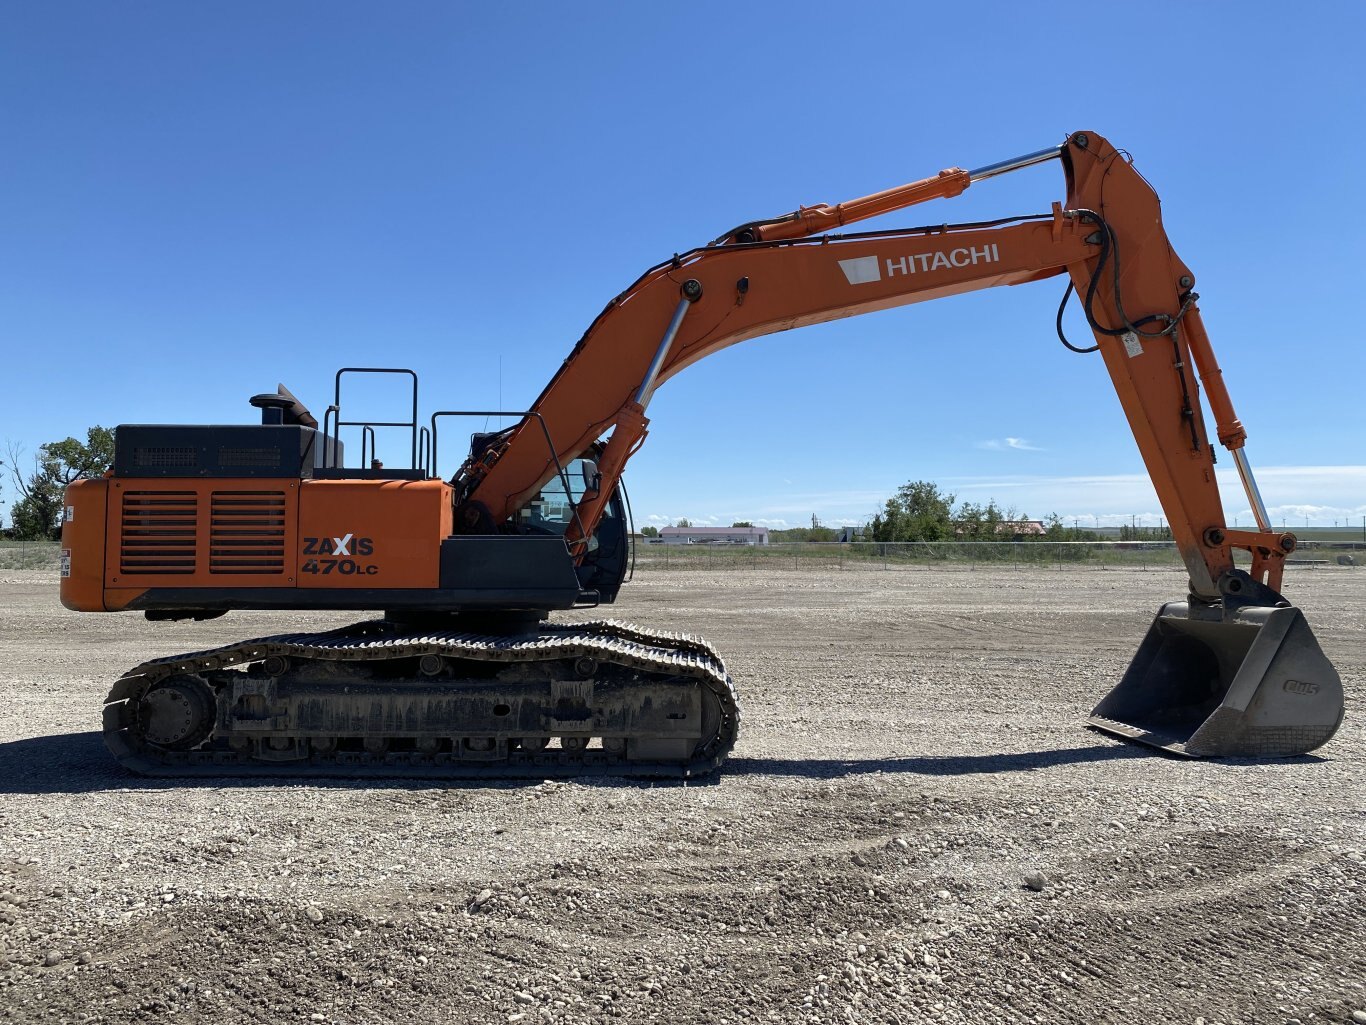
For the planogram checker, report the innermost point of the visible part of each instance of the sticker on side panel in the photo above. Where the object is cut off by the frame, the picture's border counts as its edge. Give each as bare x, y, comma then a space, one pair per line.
1133, 345
349, 545
66, 562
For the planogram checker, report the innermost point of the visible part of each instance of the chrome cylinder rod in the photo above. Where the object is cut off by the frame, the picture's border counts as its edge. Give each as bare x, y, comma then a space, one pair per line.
1254, 495
1014, 163
647, 386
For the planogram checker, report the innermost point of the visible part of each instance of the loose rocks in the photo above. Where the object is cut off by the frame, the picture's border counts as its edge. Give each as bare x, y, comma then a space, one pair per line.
913, 756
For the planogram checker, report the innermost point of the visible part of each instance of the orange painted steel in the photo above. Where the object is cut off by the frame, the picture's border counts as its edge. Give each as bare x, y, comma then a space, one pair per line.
193, 532
372, 534
249, 533
789, 285
809, 220
1133, 277
83, 527
1231, 432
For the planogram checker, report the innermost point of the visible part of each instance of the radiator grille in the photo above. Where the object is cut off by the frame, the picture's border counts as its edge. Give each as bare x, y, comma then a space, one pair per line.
247, 532
158, 533
166, 456
254, 457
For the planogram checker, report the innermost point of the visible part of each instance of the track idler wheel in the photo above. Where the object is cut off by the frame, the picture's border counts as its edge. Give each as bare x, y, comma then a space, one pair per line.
177, 714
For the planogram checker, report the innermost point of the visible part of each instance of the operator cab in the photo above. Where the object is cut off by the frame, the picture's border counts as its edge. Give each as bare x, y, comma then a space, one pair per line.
551, 512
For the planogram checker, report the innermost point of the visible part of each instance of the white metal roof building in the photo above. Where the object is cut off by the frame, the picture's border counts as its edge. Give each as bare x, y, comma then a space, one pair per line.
714, 535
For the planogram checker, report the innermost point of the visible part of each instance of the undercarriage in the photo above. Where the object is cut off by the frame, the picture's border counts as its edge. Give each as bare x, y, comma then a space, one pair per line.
383, 698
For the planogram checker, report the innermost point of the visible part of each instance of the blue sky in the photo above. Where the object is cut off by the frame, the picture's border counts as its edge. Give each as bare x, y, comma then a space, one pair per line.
200, 200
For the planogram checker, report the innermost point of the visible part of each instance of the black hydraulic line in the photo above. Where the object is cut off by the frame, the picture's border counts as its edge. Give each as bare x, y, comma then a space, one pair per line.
1109, 249
1067, 294
630, 527
1187, 411
784, 219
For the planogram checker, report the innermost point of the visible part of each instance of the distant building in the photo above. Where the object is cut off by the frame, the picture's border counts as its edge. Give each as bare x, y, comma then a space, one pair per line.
1015, 530
1021, 528
714, 535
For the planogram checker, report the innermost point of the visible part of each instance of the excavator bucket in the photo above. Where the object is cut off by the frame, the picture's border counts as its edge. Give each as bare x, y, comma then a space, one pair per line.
1246, 681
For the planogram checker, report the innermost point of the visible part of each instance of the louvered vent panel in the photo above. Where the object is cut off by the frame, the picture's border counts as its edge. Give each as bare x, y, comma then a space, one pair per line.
247, 532
248, 457
158, 533
175, 457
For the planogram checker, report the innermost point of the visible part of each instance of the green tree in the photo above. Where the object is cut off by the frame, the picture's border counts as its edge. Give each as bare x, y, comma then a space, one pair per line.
1053, 528
818, 531
37, 515
918, 511
742, 523
970, 523
886, 525
649, 532
1136, 533
685, 522
992, 522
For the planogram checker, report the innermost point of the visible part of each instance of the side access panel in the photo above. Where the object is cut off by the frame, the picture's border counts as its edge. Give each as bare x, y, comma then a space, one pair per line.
372, 534
82, 553
511, 562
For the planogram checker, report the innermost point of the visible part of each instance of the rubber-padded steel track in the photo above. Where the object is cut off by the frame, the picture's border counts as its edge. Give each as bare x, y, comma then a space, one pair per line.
654, 657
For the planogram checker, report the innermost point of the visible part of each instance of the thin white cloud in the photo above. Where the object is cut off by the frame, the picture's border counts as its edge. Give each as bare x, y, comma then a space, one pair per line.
795, 509
1008, 444
1320, 494
697, 521
1293, 494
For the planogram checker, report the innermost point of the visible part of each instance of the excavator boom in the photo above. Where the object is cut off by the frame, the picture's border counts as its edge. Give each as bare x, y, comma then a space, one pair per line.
1140, 302
771, 276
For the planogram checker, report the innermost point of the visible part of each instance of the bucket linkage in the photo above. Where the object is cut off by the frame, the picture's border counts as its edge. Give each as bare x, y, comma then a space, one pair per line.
1242, 678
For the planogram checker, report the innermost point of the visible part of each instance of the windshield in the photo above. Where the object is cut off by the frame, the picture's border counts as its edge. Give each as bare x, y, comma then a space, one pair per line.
552, 510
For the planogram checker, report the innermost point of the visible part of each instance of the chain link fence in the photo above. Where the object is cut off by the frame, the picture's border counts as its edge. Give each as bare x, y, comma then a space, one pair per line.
30, 555
873, 555
956, 555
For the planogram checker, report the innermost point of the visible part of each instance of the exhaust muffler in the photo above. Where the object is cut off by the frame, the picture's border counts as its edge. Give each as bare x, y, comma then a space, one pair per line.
1246, 678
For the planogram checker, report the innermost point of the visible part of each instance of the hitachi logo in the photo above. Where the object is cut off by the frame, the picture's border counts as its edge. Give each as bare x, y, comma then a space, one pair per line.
870, 268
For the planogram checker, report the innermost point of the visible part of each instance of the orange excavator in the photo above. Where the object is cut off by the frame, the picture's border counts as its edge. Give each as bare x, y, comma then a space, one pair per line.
462, 673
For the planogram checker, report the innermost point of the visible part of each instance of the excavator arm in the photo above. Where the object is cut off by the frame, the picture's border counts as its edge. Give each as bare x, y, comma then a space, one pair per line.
769, 276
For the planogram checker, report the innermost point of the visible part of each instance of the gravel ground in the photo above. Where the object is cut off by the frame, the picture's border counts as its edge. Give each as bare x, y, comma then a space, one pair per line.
915, 826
